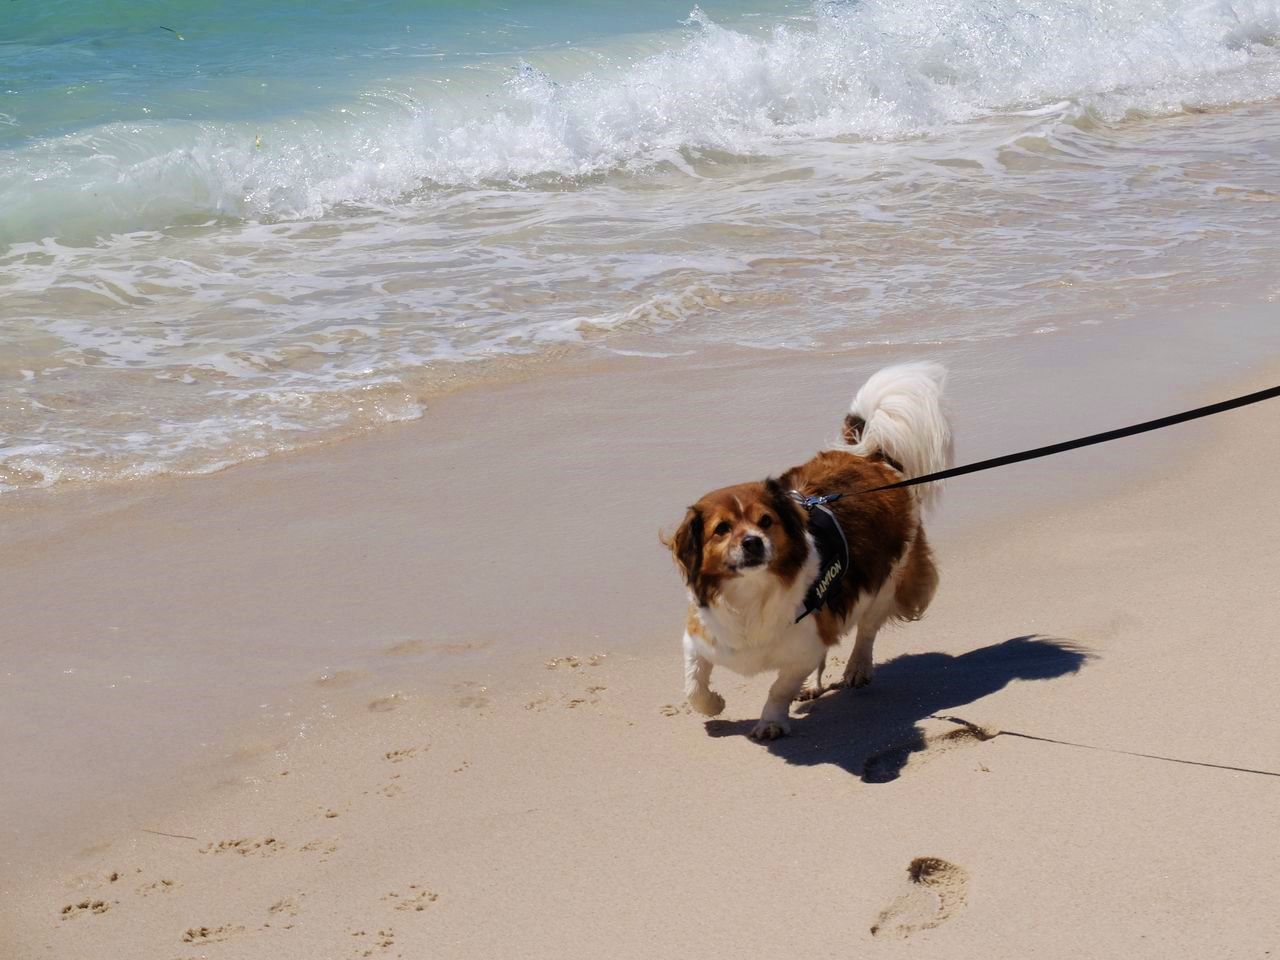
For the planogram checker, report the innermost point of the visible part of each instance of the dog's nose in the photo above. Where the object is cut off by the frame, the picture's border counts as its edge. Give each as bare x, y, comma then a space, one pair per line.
752, 547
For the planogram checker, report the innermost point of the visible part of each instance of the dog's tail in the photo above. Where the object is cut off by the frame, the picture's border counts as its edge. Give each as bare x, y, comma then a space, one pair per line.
898, 413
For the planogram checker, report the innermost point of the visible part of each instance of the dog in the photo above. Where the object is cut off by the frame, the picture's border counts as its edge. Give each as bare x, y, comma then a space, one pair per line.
779, 571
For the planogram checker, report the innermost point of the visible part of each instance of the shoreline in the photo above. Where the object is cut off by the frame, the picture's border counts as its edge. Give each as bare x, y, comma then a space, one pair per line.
576, 806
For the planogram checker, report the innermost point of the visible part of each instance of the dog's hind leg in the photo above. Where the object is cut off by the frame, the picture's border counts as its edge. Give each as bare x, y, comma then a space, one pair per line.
919, 580
775, 718
861, 666
883, 607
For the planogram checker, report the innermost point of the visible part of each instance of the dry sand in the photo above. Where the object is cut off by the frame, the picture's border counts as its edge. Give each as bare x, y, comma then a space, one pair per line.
556, 799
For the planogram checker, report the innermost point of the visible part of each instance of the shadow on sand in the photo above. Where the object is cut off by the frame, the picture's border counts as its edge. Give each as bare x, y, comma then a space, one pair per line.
872, 732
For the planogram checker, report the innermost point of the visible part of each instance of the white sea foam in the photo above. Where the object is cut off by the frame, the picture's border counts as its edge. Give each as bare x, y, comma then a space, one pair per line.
872, 69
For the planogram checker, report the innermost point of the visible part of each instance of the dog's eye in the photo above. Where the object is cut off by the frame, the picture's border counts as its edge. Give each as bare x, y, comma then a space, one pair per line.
722, 528
766, 522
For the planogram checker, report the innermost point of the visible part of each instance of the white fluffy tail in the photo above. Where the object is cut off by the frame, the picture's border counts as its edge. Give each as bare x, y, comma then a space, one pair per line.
898, 412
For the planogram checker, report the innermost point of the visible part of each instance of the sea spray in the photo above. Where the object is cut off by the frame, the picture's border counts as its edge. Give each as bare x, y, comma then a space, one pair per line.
875, 69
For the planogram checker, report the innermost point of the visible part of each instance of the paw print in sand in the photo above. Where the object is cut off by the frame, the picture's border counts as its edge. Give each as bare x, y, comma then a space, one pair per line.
416, 899
85, 907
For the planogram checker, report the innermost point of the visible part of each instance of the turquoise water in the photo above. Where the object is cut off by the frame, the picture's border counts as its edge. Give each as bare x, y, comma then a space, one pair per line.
68, 65
230, 229
117, 116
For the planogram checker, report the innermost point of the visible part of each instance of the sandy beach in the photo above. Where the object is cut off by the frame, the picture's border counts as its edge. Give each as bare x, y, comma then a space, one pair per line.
470, 740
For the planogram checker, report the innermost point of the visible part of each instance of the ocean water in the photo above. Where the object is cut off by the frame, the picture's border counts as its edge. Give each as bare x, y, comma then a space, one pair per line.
232, 229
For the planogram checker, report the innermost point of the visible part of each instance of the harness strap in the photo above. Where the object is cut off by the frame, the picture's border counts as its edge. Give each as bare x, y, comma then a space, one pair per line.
833, 549
810, 502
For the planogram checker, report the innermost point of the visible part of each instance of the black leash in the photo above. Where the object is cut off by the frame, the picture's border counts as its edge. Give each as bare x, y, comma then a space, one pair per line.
1089, 441
984, 734
834, 549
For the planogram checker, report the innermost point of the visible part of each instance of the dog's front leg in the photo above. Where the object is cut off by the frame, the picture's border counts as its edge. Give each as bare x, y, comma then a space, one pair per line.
697, 681
814, 690
775, 719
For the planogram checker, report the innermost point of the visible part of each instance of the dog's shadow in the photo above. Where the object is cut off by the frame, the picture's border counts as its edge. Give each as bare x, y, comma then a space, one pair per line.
872, 732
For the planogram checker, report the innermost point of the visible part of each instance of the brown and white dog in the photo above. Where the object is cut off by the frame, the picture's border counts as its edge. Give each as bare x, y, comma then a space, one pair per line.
749, 557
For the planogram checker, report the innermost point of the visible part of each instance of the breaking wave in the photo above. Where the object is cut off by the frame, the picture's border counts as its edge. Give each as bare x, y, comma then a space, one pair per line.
877, 69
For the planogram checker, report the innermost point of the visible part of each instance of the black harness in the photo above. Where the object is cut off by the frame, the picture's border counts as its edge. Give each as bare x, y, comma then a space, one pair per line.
833, 549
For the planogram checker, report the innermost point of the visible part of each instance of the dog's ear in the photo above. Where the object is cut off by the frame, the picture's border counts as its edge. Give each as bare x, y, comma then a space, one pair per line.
789, 512
793, 520
686, 546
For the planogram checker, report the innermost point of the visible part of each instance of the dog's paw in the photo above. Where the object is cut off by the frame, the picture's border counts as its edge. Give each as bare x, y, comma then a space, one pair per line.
811, 693
859, 673
709, 703
770, 729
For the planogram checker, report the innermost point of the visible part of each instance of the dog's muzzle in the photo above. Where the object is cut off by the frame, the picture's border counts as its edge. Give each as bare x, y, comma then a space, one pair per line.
753, 552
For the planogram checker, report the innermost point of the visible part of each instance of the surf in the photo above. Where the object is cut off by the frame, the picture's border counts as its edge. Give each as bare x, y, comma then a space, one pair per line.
873, 70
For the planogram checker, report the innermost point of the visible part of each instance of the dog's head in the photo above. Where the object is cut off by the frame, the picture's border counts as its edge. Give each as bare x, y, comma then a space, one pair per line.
735, 531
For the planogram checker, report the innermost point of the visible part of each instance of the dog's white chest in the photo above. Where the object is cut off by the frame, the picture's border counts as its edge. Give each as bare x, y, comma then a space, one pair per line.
795, 644
751, 627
